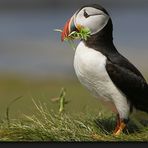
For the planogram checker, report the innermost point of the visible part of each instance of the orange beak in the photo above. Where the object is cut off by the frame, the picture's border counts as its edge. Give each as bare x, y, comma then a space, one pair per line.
68, 28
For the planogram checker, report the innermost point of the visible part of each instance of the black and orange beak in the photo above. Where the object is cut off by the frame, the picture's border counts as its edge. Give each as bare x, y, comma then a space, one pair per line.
68, 28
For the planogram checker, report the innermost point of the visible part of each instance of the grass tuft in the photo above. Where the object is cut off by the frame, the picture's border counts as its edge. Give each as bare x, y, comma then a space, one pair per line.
83, 34
59, 125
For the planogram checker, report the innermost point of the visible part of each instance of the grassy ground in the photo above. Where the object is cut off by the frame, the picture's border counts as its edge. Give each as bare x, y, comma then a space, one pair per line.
51, 126
40, 117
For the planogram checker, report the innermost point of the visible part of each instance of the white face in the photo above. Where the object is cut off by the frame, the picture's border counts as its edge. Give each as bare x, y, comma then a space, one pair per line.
92, 18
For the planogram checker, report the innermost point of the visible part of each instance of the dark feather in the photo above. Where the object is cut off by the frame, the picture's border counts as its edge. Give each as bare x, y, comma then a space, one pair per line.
129, 80
97, 6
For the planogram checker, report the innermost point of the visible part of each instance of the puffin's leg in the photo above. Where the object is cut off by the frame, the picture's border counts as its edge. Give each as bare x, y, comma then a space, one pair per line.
117, 124
121, 124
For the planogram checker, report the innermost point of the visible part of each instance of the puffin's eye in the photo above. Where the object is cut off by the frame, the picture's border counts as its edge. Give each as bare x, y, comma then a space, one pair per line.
86, 14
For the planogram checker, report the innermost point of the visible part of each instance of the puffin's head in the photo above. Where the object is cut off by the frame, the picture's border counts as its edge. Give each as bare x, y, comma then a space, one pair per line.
94, 17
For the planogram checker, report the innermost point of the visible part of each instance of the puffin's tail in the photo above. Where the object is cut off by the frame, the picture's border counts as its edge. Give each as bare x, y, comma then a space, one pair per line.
141, 113
146, 92
145, 99
142, 102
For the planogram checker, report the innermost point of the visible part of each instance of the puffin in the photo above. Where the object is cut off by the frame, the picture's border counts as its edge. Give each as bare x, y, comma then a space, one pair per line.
108, 75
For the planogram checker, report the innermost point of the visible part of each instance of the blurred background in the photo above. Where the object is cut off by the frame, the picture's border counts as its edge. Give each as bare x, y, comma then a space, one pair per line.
35, 64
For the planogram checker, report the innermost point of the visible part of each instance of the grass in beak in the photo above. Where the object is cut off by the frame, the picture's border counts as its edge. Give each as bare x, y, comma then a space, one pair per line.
83, 34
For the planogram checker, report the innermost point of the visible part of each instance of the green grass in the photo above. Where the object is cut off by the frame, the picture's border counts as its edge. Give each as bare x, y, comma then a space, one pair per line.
59, 114
49, 125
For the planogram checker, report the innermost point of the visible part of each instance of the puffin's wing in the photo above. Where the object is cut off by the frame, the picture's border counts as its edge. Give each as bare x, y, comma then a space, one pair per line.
129, 81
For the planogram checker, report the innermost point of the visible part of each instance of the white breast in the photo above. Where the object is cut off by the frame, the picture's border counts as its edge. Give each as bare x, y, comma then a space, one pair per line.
90, 69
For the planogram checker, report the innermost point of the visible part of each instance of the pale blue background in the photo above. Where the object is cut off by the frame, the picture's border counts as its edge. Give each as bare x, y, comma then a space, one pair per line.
29, 47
